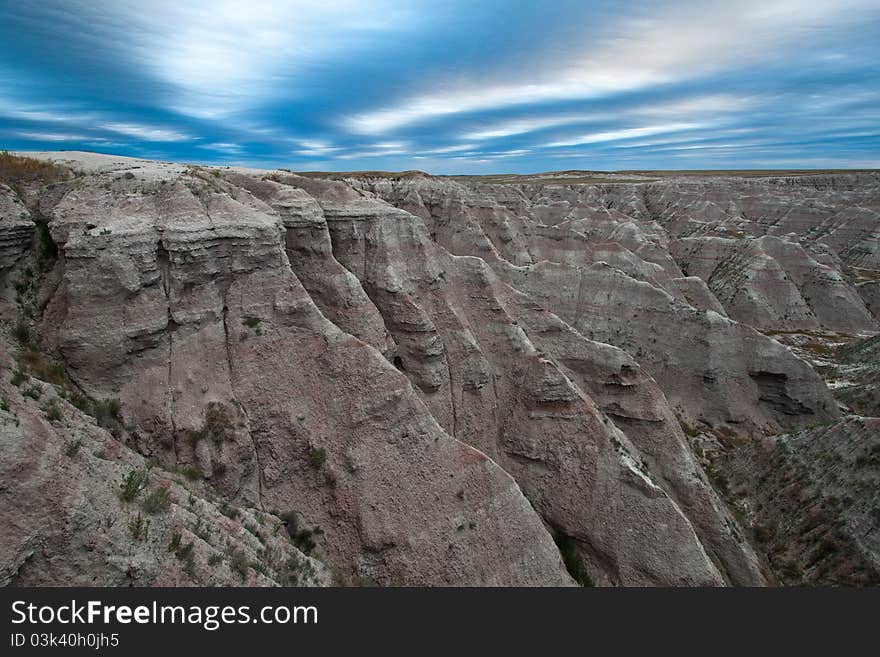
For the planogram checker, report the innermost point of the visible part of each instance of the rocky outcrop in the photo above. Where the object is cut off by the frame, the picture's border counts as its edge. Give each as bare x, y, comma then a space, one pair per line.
177, 297
429, 380
467, 353
80, 508
811, 499
774, 284
16, 228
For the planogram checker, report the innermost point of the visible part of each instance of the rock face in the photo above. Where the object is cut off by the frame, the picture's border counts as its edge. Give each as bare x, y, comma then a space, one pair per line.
16, 228
813, 499
428, 380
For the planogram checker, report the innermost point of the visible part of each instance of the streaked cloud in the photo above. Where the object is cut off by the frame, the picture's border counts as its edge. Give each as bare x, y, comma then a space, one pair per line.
448, 87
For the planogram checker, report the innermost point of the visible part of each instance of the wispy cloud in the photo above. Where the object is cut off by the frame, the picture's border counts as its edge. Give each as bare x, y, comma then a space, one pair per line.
667, 43
629, 133
448, 86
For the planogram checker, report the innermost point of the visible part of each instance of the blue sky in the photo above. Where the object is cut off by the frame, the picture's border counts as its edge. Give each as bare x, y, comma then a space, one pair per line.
447, 86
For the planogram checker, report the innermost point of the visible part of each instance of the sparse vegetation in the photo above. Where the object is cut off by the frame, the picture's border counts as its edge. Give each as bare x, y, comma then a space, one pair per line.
18, 170
238, 561
299, 570
159, 501
34, 391
191, 472
72, 448
133, 483
22, 333
215, 425
51, 410
303, 539
317, 456
229, 511
138, 527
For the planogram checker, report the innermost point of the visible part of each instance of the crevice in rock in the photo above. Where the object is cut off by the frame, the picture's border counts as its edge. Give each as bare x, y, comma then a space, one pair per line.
239, 405
451, 395
163, 262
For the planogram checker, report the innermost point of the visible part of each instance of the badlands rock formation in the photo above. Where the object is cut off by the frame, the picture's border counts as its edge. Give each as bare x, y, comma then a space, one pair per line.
403, 379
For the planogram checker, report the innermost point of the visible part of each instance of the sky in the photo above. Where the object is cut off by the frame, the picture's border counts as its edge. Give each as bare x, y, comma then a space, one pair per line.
447, 86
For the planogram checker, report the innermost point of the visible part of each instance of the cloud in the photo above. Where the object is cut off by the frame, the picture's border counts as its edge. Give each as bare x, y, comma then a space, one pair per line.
144, 132
645, 84
629, 133
672, 43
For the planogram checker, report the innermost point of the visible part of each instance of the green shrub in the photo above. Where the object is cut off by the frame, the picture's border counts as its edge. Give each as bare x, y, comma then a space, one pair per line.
239, 563
317, 456
22, 333
260, 568
138, 527
215, 425
72, 448
34, 392
214, 559
51, 410
303, 539
229, 511
18, 377
133, 483
159, 501
191, 472
184, 552
106, 412
250, 321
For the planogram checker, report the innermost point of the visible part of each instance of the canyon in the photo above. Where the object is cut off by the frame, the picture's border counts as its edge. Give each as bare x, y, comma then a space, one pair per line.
229, 376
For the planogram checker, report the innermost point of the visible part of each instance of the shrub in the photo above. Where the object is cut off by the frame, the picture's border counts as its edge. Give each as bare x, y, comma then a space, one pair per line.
3, 405
34, 392
215, 424
41, 367
159, 501
229, 511
106, 412
299, 570
214, 559
22, 333
52, 411
183, 552
133, 483
317, 456
191, 472
138, 527
72, 448
253, 529
239, 563
250, 321
301, 538
18, 377
260, 568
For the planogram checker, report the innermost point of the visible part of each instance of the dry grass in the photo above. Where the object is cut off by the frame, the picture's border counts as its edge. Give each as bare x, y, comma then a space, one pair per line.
16, 170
